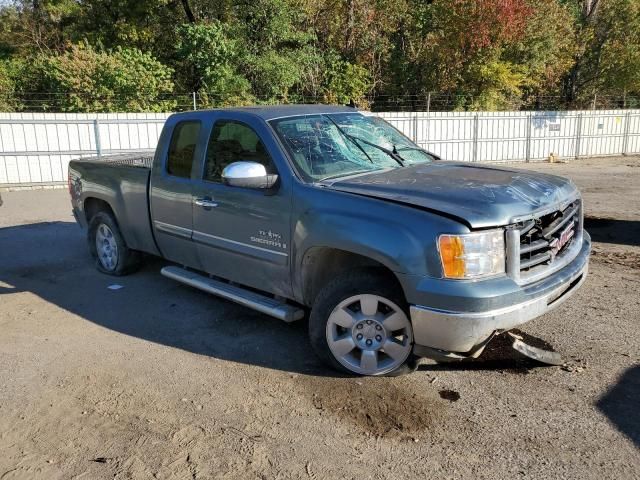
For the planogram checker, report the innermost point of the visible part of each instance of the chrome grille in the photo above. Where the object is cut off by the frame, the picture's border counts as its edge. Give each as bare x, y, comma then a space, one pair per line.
540, 245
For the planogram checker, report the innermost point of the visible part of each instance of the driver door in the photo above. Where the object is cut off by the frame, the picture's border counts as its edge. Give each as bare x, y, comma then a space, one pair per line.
241, 234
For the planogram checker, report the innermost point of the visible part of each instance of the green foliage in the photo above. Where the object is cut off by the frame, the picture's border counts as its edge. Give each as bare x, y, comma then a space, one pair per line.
619, 66
7, 88
497, 83
346, 81
273, 74
209, 52
85, 80
105, 55
276, 53
268, 25
547, 49
9, 19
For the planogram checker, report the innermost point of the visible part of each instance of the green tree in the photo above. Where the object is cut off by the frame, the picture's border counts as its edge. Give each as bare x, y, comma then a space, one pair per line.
617, 63
547, 49
7, 88
277, 52
362, 32
493, 54
37, 25
85, 80
345, 81
210, 53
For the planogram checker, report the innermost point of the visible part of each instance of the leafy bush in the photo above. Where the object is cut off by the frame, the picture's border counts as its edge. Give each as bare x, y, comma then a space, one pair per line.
86, 80
7, 102
208, 52
346, 82
494, 54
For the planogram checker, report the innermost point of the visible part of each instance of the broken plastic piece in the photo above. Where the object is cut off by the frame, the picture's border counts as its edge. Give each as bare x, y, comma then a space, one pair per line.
535, 353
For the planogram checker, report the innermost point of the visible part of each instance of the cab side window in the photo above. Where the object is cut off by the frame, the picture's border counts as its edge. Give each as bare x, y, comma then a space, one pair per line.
182, 149
232, 141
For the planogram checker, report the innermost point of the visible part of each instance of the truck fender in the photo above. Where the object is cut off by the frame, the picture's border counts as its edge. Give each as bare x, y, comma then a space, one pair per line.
388, 244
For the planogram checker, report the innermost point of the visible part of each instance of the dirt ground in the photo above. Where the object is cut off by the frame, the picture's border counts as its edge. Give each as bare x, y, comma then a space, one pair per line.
157, 380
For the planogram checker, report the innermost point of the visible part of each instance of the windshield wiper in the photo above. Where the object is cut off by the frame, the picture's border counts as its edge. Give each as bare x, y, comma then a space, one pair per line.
348, 137
392, 153
433, 156
355, 140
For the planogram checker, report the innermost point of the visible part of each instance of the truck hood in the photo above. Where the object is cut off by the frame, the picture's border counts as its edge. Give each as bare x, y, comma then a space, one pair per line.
482, 196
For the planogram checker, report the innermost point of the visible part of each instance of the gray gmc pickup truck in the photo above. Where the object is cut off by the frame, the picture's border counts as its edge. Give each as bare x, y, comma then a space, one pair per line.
394, 253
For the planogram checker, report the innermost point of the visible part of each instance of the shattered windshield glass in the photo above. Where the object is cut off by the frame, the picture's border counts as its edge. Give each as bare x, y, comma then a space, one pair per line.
371, 130
337, 145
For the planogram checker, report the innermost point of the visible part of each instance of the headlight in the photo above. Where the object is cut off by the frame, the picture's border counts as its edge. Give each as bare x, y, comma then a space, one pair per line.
472, 255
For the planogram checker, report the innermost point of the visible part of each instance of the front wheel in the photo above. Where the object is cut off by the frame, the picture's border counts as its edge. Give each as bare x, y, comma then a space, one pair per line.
359, 324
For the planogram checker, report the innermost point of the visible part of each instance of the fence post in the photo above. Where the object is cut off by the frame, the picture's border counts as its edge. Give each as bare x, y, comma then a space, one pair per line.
427, 126
475, 138
415, 127
578, 135
96, 133
427, 121
193, 95
625, 138
528, 147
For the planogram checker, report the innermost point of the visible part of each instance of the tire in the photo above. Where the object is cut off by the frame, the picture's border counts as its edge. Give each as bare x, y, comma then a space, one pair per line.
108, 248
359, 324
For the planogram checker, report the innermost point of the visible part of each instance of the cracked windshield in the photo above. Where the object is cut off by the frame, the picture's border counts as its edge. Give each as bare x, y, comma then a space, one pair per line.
324, 147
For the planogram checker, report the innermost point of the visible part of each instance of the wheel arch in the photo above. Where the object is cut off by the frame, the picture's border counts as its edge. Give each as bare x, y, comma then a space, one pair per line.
93, 205
321, 264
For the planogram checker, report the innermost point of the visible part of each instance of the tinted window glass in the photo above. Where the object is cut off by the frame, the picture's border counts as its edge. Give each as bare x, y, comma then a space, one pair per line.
233, 142
182, 149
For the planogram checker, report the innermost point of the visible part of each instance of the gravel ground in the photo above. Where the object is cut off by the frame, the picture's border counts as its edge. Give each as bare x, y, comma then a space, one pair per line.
157, 380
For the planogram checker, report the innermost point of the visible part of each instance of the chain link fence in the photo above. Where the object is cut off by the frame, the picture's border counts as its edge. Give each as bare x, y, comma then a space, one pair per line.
429, 102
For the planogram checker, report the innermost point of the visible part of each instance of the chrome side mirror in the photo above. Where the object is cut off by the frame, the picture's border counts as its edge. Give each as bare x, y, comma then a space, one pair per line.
248, 175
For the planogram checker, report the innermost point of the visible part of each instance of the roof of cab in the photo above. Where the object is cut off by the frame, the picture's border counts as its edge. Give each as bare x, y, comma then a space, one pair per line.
270, 112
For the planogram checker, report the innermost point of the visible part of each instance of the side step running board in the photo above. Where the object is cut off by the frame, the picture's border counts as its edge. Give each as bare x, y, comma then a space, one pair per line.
260, 303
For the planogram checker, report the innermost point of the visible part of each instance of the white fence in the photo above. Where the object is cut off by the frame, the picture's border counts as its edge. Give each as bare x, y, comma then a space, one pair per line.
522, 136
35, 148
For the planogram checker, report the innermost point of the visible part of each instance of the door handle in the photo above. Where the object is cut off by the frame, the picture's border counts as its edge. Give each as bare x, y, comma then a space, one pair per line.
205, 202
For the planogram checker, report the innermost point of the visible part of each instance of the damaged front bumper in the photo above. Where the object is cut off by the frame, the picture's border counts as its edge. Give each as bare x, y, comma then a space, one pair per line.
438, 331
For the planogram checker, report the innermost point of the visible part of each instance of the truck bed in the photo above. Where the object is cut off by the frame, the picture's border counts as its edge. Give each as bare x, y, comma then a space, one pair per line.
123, 182
136, 160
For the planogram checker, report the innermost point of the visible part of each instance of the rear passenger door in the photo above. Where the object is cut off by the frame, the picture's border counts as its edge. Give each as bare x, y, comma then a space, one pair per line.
242, 234
171, 194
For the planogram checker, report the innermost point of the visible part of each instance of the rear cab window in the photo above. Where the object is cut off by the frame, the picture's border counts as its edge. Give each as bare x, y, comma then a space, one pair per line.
182, 148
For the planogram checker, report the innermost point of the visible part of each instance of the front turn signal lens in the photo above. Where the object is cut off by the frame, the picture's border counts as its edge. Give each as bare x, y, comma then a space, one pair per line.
472, 255
451, 253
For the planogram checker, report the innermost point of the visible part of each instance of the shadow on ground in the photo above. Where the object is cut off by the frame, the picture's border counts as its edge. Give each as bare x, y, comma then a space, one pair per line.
51, 261
609, 230
621, 404
498, 356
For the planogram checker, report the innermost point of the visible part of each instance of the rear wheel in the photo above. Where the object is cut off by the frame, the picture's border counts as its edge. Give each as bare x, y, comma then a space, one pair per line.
359, 324
108, 248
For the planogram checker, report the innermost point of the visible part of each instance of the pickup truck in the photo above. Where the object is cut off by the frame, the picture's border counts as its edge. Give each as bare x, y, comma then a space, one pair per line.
331, 213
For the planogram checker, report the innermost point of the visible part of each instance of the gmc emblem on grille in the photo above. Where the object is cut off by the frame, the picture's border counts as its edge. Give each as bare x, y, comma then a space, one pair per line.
558, 244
